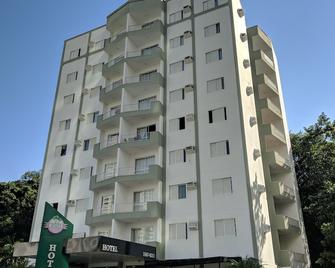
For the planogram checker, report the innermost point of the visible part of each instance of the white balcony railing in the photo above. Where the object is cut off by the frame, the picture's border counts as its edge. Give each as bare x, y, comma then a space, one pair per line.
103, 211
131, 207
122, 171
268, 60
113, 85
111, 113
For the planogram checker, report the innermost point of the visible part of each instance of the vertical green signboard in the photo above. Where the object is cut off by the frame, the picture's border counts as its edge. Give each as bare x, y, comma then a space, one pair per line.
56, 229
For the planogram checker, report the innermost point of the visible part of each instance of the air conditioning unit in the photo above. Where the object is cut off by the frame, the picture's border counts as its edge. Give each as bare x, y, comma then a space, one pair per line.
187, 34
266, 228
257, 153
71, 203
240, 12
77, 143
85, 91
191, 186
243, 37
253, 121
74, 172
188, 59
189, 117
88, 68
193, 225
81, 117
261, 188
188, 88
249, 91
91, 44
246, 63
190, 149
187, 9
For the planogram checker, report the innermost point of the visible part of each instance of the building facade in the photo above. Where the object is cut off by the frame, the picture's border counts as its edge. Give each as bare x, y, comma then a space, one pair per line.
169, 129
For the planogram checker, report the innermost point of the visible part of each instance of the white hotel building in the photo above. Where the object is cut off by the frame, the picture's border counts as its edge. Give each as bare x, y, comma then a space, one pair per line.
169, 129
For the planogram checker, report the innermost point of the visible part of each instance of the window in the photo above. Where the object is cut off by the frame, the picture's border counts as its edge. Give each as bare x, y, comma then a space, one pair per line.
107, 203
71, 77
177, 124
177, 192
110, 169
217, 115
143, 235
97, 68
215, 85
61, 150
86, 145
56, 178
145, 104
212, 29
177, 41
85, 173
211, 4
75, 53
225, 227
142, 198
178, 231
94, 92
92, 117
115, 110
177, 95
143, 133
219, 148
222, 186
177, 67
81, 205
65, 124
98, 45
112, 139
147, 76
142, 164
149, 50
177, 16
177, 156
68, 99
213, 56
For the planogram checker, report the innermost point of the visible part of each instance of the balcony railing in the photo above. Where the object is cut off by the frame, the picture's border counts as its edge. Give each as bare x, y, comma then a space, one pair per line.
138, 106
103, 211
115, 60
132, 207
113, 85
122, 171
111, 113
268, 60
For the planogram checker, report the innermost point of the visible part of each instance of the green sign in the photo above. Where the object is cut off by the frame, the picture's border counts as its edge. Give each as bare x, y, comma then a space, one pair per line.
56, 229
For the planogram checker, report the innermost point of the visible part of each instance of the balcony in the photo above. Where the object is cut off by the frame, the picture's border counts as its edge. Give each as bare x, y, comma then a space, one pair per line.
287, 224
113, 67
259, 39
266, 88
282, 193
264, 64
126, 176
138, 111
277, 163
126, 212
102, 151
140, 34
273, 136
109, 119
270, 111
136, 143
288, 258
136, 85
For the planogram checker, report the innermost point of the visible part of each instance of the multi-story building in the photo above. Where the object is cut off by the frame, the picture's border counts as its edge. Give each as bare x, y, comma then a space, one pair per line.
169, 129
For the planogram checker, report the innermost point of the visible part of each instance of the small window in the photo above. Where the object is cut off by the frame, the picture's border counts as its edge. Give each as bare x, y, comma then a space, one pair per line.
177, 124
92, 117
177, 95
86, 145
55, 206
98, 45
212, 29
61, 150
71, 77
148, 76
75, 53
177, 67
177, 41
212, 4
217, 115
97, 68
85, 173
214, 56
225, 227
177, 16
177, 156
215, 85
177, 192
220, 148
81, 205
65, 124
222, 186
69, 99
178, 231
56, 178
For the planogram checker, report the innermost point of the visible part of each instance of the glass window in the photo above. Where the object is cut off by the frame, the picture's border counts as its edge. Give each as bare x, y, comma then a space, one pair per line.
219, 148
75, 53
225, 227
177, 67
56, 178
212, 29
215, 85
217, 115
213, 56
177, 41
71, 77
222, 186
81, 205
177, 16
177, 156
178, 231
85, 173
142, 164
68, 99
86, 145
177, 95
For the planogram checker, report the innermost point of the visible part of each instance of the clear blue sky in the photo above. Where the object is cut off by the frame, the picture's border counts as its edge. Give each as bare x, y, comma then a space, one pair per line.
33, 32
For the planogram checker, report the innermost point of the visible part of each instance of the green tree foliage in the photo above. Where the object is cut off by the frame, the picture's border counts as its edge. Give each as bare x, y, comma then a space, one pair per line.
314, 155
17, 202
